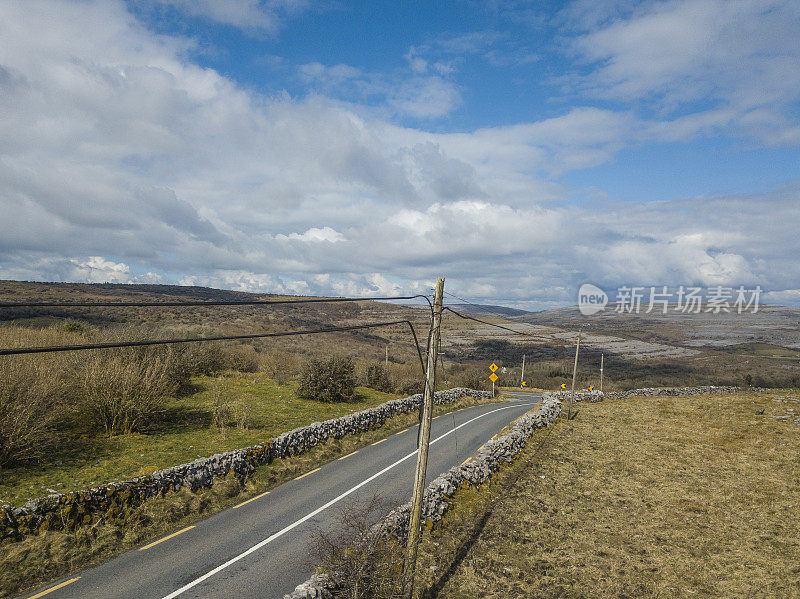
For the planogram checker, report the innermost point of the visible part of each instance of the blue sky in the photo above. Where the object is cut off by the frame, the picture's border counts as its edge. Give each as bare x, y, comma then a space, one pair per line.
518, 148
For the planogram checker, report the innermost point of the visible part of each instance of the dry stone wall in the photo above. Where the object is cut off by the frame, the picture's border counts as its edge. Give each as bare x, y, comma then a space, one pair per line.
439, 494
68, 511
593, 396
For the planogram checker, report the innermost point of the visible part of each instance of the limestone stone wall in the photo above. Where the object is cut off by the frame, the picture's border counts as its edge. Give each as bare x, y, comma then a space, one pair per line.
68, 511
439, 494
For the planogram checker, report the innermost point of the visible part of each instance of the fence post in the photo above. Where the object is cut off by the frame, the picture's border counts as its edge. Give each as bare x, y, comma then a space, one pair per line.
414, 524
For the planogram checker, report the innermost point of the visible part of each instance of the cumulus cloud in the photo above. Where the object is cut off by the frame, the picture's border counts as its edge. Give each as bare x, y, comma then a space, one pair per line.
315, 234
739, 56
251, 16
120, 158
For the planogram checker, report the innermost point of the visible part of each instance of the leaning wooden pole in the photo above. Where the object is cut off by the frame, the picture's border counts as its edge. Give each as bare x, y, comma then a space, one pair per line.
414, 524
602, 357
574, 373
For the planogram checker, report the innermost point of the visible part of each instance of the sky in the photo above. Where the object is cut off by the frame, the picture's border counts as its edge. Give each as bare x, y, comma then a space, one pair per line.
519, 149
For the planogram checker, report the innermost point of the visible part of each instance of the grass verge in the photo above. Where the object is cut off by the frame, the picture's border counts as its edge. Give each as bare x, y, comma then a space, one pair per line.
646, 497
38, 559
252, 407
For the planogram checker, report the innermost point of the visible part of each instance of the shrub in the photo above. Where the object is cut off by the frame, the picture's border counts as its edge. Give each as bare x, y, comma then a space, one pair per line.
410, 386
471, 377
125, 389
242, 358
377, 377
202, 359
30, 402
331, 380
35, 391
362, 566
225, 412
279, 365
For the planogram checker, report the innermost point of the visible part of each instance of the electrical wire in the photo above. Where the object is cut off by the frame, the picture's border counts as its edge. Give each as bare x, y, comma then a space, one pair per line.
491, 324
196, 303
84, 346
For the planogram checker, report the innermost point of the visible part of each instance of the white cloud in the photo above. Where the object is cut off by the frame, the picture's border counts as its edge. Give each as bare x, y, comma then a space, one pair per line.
248, 15
120, 158
739, 56
426, 97
315, 235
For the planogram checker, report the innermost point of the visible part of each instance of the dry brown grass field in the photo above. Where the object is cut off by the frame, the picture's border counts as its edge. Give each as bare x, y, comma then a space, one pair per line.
646, 497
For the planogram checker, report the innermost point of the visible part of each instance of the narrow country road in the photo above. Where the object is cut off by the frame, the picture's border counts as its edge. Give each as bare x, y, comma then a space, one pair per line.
260, 548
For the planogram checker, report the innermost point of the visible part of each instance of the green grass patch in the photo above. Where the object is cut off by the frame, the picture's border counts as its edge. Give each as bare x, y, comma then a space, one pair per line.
257, 410
766, 350
37, 559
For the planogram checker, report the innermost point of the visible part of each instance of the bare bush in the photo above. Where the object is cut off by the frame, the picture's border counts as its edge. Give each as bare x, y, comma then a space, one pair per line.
376, 376
225, 412
242, 358
125, 389
331, 380
362, 565
471, 377
410, 386
202, 359
220, 409
281, 366
35, 391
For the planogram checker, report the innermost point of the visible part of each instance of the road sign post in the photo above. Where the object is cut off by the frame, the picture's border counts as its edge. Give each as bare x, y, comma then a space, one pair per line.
493, 377
522, 376
414, 524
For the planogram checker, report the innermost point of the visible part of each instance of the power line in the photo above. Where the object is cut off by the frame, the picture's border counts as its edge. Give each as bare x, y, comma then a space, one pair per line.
491, 324
63, 348
143, 304
466, 301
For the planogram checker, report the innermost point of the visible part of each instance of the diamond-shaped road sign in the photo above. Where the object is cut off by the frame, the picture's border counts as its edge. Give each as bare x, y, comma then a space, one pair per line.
493, 367
493, 377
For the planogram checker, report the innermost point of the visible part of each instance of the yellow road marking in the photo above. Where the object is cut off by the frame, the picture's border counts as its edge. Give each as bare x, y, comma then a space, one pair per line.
55, 588
467, 460
402, 431
307, 473
174, 534
381, 441
251, 499
348, 455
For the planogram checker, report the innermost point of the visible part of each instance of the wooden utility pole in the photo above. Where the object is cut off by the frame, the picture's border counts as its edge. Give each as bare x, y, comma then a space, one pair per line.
387, 358
414, 524
601, 372
574, 373
522, 376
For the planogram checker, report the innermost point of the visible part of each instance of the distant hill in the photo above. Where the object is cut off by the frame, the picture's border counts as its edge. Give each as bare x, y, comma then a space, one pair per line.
776, 325
489, 309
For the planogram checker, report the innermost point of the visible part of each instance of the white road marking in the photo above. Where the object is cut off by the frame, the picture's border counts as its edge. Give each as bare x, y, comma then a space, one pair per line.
297, 523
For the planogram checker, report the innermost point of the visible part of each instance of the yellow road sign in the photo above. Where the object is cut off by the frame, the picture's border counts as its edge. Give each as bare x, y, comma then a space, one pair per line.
493, 377
524, 384
591, 388
493, 367
563, 385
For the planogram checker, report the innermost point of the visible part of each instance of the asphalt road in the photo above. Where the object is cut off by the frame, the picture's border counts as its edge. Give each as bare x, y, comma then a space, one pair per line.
261, 548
